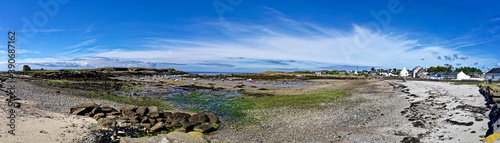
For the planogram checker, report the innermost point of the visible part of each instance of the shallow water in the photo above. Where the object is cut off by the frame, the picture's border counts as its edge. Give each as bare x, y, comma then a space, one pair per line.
220, 102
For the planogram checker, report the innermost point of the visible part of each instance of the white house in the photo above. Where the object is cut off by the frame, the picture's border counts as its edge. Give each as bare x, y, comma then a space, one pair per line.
459, 75
385, 73
449, 75
403, 72
493, 74
353, 72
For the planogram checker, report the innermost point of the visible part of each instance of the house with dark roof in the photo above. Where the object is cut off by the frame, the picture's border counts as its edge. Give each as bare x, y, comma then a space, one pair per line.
476, 74
458, 75
493, 74
449, 75
341, 72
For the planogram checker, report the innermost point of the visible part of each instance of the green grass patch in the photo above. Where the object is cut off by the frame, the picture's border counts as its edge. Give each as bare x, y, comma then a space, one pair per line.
466, 83
303, 72
301, 101
130, 89
57, 81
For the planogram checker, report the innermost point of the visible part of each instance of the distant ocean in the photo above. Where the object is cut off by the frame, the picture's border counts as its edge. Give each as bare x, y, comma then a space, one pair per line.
214, 73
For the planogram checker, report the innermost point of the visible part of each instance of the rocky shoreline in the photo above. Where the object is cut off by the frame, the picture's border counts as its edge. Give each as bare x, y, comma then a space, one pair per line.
441, 112
374, 110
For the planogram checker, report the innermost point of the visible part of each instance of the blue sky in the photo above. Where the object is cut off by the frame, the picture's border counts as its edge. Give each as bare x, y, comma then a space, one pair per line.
252, 36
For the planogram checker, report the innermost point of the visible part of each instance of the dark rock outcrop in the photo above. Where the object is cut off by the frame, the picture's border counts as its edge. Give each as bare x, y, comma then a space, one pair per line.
149, 118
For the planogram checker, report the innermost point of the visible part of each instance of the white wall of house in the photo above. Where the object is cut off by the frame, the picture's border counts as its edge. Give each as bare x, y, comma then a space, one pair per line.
403, 72
462, 76
492, 76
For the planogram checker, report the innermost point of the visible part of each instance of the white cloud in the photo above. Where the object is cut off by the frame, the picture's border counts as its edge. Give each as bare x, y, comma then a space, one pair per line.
317, 44
309, 44
84, 43
42, 30
22, 51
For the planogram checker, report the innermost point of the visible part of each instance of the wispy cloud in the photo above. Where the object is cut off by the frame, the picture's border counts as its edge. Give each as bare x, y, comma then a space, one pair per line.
22, 51
216, 64
284, 44
52, 30
84, 43
359, 46
92, 62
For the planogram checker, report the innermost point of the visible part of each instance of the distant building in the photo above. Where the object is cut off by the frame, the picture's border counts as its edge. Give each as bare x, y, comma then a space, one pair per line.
493, 74
419, 72
449, 75
372, 73
353, 72
476, 74
341, 72
385, 73
459, 76
403, 72
320, 72
436, 75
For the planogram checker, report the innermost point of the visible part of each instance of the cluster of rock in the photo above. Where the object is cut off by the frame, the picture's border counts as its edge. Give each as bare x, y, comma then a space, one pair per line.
69, 75
492, 96
150, 118
101, 73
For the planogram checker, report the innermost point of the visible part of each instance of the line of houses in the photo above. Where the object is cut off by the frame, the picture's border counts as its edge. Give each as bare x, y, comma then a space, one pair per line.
420, 72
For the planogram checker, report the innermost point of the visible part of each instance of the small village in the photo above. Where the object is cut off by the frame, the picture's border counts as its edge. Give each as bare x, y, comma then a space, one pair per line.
418, 72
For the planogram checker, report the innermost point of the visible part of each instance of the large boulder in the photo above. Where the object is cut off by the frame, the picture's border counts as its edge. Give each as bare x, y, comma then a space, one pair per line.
129, 114
164, 114
212, 118
145, 120
128, 108
115, 113
96, 110
99, 116
83, 108
153, 112
157, 127
178, 117
107, 109
106, 122
188, 125
204, 128
141, 111
80, 111
85, 105
198, 118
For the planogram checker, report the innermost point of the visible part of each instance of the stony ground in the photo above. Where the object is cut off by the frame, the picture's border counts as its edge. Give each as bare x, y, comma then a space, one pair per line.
442, 112
43, 115
376, 111
370, 114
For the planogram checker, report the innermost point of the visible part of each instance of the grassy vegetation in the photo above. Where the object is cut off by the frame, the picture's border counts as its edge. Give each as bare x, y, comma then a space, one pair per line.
57, 81
466, 83
303, 72
130, 89
300, 101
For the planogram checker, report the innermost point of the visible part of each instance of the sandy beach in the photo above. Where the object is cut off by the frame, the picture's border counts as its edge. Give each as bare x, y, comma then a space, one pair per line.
441, 109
